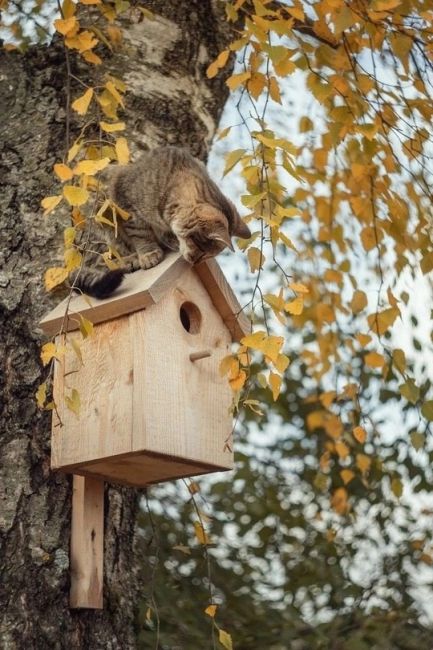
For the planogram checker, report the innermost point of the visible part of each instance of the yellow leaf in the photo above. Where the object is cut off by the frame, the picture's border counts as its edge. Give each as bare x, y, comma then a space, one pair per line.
295, 307
305, 124
73, 401
50, 202
75, 195
358, 302
113, 90
360, 434
48, 351
342, 449
270, 346
380, 322
219, 62
232, 159
122, 151
399, 360
256, 84
91, 57
363, 339
371, 237
115, 35
78, 219
325, 313
347, 475
72, 258
298, 287
339, 501
374, 360
54, 277
67, 25
225, 639
69, 236
200, 533
68, 8
281, 363
112, 127
363, 462
82, 104
254, 340
211, 610
226, 364
63, 172
236, 80
91, 167
275, 385
224, 133
255, 258
237, 382
73, 151
41, 394
86, 327
274, 90
327, 398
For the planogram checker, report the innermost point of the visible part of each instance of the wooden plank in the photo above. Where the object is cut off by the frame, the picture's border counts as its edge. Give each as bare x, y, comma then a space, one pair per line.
223, 298
137, 291
145, 288
87, 543
139, 470
104, 382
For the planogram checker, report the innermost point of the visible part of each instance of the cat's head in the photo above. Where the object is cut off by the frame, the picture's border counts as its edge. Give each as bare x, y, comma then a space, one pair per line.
212, 232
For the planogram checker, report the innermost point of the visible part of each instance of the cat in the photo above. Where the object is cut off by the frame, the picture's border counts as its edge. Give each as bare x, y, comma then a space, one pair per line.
173, 205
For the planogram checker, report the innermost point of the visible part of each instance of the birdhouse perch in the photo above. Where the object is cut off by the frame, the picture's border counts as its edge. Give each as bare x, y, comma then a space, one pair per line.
153, 405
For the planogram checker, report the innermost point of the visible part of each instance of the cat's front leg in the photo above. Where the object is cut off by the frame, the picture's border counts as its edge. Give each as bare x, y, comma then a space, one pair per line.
150, 257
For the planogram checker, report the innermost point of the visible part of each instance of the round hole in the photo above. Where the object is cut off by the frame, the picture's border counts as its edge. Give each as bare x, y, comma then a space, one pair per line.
190, 317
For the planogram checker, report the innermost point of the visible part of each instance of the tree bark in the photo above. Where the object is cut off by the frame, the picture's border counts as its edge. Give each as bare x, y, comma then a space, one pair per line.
169, 100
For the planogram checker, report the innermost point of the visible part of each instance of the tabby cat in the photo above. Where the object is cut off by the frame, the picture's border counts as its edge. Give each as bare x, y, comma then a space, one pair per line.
173, 205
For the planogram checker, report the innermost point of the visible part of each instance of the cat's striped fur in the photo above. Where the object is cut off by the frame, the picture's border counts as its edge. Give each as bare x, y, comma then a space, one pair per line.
173, 205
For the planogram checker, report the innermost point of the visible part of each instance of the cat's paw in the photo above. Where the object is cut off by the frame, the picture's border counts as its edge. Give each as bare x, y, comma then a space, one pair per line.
150, 259
130, 263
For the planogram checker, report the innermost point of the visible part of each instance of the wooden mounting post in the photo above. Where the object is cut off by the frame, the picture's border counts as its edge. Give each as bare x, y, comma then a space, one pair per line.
87, 543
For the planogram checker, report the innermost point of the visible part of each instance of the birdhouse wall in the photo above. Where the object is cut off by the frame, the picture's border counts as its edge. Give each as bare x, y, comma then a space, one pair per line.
148, 412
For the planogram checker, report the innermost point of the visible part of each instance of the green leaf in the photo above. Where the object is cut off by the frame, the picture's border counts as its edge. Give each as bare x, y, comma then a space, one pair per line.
427, 410
225, 639
410, 391
397, 487
418, 440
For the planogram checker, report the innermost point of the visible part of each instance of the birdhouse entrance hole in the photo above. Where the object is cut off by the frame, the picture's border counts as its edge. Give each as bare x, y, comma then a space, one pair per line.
190, 317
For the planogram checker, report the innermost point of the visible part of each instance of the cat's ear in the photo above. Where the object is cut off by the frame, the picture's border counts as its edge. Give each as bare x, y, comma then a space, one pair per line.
223, 236
241, 229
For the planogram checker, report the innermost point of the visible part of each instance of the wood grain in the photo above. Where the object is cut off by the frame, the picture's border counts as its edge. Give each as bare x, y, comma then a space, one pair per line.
181, 408
138, 291
104, 383
87, 543
223, 298
142, 289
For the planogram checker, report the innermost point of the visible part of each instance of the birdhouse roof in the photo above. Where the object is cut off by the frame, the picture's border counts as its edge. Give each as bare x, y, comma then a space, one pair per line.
145, 288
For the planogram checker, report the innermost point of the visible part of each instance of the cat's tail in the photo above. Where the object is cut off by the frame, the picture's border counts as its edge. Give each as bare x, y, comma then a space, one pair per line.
98, 284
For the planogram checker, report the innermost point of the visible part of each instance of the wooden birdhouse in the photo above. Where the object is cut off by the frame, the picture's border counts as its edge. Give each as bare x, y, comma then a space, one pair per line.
153, 406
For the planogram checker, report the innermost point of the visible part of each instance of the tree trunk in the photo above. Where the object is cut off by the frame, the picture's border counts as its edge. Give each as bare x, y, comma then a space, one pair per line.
169, 100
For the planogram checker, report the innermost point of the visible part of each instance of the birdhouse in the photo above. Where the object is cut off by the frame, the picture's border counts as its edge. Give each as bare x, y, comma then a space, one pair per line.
153, 406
